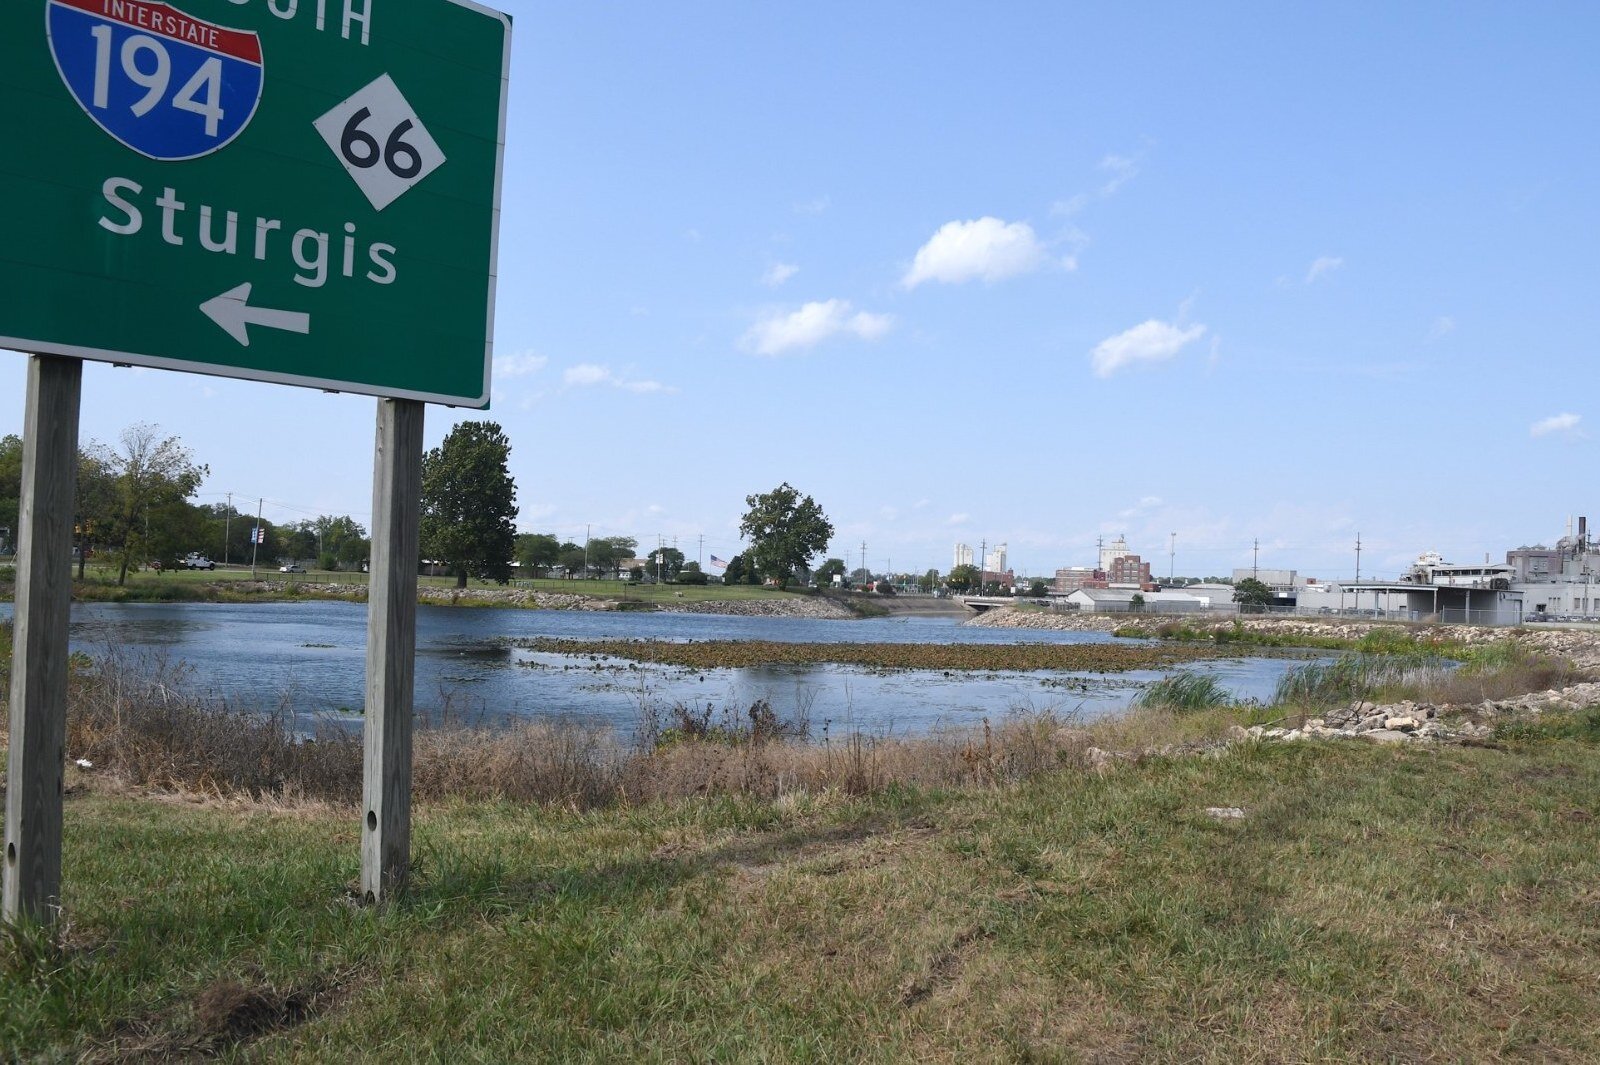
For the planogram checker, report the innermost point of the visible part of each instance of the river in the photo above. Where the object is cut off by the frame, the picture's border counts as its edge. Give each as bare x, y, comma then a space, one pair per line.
312, 656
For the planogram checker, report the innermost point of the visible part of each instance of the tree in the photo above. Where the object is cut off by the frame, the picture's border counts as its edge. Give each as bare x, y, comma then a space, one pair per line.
928, 582
739, 571
94, 503
341, 541
1136, 604
608, 554
571, 558
962, 578
1038, 589
469, 503
785, 531
664, 563
148, 516
830, 569
691, 574
10, 490
1252, 595
537, 552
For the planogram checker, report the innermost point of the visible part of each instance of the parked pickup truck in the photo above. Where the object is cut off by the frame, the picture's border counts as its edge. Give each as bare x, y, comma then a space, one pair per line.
195, 561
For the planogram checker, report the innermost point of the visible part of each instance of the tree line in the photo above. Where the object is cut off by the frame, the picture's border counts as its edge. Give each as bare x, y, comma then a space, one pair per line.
135, 508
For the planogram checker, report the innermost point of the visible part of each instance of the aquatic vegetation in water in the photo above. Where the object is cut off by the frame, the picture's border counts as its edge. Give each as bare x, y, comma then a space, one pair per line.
743, 654
1185, 690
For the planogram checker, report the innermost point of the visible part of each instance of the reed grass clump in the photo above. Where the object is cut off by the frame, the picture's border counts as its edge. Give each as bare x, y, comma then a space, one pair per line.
1184, 691
1362, 676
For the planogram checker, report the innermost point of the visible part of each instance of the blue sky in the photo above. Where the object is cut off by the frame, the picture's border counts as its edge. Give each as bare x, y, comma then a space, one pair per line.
1031, 273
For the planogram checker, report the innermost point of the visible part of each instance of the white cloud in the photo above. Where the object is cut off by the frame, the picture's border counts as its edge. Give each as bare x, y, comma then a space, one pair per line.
519, 364
1150, 341
1321, 267
1122, 170
986, 248
1564, 424
1442, 327
816, 206
809, 326
588, 375
778, 273
958, 519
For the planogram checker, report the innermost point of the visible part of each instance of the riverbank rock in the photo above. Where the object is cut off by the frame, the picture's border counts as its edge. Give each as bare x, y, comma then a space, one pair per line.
814, 607
1579, 646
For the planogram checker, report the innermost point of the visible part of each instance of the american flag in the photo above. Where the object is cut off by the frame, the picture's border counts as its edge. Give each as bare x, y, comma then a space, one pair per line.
717, 562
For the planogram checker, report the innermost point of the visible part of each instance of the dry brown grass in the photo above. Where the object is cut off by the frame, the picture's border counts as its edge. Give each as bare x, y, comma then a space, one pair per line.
143, 727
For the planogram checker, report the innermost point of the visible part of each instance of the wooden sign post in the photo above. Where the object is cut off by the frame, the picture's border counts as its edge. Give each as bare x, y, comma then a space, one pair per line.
391, 651
37, 758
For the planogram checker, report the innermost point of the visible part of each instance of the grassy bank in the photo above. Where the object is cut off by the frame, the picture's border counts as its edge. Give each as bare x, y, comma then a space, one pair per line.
715, 892
237, 585
1370, 904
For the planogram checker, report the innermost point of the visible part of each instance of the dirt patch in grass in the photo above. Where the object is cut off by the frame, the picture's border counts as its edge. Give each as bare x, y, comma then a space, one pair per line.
226, 1014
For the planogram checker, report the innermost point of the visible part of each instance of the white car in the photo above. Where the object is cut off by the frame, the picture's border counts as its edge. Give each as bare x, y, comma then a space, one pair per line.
195, 561
293, 567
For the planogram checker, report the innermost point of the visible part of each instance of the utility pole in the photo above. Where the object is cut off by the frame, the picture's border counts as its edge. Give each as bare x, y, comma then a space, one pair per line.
227, 527
700, 553
1255, 561
1358, 575
864, 573
1172, 556
255, 538
983, 563
586, 530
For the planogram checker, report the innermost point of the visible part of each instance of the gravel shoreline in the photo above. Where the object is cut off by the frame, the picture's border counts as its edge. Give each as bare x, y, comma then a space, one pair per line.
1394, 723
814, 607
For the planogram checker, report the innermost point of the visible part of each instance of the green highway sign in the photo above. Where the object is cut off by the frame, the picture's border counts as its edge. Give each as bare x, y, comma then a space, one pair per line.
298, 191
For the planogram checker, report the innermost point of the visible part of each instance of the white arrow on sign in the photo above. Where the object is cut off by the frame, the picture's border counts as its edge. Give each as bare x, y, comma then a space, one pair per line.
232, 311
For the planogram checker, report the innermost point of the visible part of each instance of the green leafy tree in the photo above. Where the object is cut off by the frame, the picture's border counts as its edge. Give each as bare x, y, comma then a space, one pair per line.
928, 582
1252, 595
10, 490
785, 531
608, 554
147, 514
830, 569
1038, 589
341, 540
95, 503
691, 573
571, 558
537, 552
962, 578
469, 503
664, 563
299, 541
740, 571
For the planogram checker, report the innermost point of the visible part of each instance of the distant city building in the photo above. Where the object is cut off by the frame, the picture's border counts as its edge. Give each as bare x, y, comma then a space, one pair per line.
1279, 580
1072, 578
963, 555
1129, 570
1109, 553
995, 562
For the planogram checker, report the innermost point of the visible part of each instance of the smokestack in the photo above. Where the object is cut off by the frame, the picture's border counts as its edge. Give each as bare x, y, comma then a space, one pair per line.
1583, 534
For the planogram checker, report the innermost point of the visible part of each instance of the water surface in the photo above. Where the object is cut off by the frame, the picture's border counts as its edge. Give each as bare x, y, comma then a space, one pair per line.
312, 655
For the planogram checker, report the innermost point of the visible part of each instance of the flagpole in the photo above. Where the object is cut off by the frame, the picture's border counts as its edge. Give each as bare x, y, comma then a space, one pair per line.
256, 547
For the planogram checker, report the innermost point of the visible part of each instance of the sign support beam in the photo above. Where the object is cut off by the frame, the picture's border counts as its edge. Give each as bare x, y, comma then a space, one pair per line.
391, 651
36, 761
